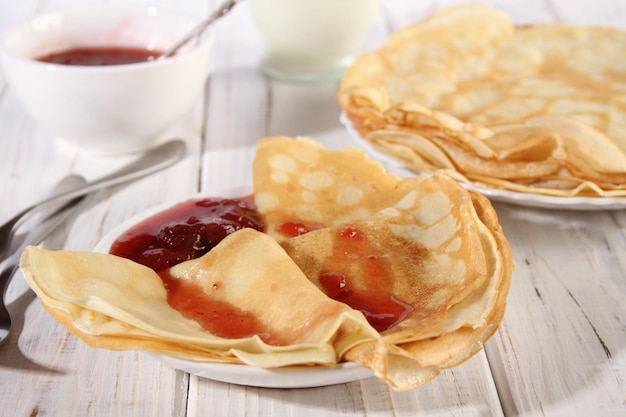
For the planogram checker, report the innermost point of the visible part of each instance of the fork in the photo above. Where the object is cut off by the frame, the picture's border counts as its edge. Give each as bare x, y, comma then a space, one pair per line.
34, 237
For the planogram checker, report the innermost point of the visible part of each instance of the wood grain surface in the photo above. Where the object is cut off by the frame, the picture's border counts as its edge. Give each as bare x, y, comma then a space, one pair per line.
561, 350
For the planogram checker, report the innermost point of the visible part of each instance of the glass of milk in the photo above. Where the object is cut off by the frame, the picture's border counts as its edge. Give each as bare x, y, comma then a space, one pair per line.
309, 40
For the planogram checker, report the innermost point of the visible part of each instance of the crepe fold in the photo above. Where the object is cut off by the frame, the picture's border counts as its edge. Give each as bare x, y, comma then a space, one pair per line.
298, 180
113, 303
497, 105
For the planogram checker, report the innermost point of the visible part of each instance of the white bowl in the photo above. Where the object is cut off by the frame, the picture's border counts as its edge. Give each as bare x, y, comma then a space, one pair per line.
107, 109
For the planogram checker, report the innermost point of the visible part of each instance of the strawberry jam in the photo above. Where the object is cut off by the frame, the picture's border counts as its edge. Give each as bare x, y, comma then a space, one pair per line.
218, 317
186, 231
293, 229
100, 56
373, 295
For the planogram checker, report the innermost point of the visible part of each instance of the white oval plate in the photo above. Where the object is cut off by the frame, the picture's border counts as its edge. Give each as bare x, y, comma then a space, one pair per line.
496, 194
286, 377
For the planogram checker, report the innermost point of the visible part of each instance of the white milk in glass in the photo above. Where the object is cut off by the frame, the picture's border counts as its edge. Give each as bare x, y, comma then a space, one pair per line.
312, 39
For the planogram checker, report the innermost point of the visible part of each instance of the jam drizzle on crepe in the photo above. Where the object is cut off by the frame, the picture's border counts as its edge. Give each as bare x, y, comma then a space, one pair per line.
218, 317
373, 294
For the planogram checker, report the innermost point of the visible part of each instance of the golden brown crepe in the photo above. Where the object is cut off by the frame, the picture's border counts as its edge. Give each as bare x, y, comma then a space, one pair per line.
500, 106
437, 262
411, 280
298, 180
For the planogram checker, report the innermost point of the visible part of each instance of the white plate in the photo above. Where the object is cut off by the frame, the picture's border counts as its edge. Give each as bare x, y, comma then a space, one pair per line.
495, 194
287, 377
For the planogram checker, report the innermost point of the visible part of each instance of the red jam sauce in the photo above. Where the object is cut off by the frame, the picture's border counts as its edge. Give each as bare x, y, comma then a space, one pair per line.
186, 231
220, 318
100, 56
293, 229
374, 298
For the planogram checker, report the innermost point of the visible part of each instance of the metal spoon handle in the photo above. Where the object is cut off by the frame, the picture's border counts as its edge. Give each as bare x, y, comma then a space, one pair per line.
149, 163
153, 161
201, 27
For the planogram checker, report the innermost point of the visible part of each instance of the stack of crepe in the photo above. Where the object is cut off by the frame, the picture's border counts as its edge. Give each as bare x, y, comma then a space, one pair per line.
534, 109
425, 271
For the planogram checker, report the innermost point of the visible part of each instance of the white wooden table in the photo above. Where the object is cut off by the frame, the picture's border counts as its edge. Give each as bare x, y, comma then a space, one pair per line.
561, 350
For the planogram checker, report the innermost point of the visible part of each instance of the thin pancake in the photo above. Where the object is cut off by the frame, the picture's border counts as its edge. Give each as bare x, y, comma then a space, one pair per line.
300, 181
437, 261
503, 106
114, 303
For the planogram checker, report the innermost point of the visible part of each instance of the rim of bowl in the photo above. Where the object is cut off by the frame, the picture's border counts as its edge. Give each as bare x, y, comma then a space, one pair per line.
205, 38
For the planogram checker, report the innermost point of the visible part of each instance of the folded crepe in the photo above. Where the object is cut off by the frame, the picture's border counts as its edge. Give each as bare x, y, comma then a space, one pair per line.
406, 277
424, 259
430, 273
497, 105
113, 303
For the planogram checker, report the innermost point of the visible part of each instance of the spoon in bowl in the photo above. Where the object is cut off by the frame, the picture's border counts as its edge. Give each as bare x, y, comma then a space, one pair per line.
201, 27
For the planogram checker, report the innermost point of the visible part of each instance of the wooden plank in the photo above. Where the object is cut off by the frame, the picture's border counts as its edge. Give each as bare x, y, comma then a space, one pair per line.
559, 351
453, 393
43, 369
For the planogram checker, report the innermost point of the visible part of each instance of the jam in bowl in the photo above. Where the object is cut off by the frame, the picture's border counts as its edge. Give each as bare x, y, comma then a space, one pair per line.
108, 109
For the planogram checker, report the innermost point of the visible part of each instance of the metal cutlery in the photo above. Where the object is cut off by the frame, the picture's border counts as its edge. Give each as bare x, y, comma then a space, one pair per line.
222, 10
151, 162
48, 221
